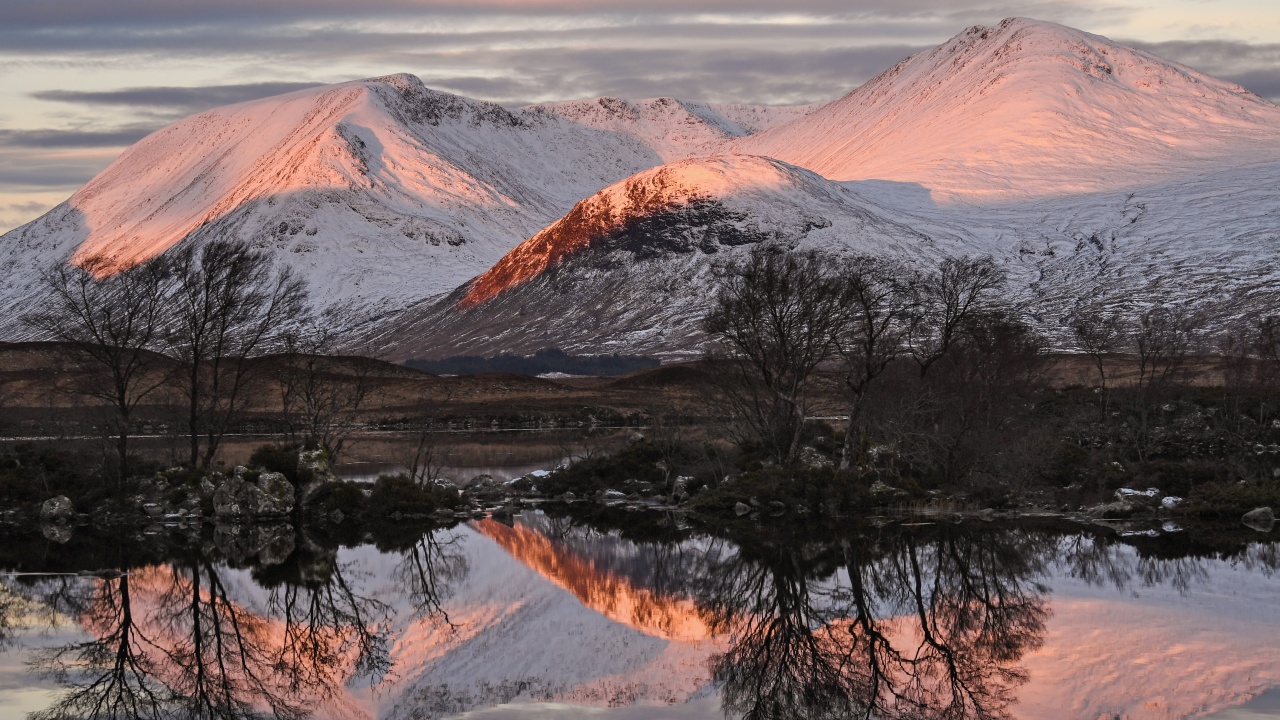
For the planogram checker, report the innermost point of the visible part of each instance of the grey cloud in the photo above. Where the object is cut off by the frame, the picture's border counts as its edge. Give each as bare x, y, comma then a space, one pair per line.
14, 214
723, 76
25, 207
271, 31
1264, 83
28, 14
1215, 52
25, 171
63, 139
183, 100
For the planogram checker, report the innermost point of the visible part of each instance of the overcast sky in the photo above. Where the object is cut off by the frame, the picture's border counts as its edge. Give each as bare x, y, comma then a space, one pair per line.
82, 79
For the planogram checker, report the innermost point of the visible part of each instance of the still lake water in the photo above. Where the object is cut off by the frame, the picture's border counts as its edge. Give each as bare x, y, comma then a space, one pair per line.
633, 615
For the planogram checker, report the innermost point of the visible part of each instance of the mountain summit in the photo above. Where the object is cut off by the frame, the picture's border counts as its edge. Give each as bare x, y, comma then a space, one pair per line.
1028, 109
381, 192
1085, 167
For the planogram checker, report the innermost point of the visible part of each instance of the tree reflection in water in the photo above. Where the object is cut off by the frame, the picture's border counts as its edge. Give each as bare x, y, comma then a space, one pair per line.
912, 628
855, 621
425, 571
173, 642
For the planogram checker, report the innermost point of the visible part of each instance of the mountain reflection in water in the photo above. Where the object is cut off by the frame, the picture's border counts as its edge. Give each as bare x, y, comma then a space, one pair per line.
863, 621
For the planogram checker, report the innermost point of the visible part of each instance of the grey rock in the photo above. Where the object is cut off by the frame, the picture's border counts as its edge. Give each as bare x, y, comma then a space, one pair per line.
1261, 519
153, 509
274, 544
270, 544
811, 457
1148, 498
270, 496
227, 501
1115, 510
741, 509
315, 462
60, 534
274, 496
880, 488
57, 509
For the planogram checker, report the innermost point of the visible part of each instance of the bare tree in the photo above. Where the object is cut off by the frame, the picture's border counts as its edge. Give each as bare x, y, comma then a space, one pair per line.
425, 458
875, 303
1099, 334
774, 320
1268, 350
229, 304
112, 318
1164, 338
321, 392
944, 299
1269, 340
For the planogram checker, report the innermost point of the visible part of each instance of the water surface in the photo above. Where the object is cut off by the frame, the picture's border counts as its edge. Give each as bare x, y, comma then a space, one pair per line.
621, 614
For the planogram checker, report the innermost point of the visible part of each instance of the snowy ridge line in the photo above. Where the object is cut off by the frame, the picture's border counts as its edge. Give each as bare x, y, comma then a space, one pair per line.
1087, 169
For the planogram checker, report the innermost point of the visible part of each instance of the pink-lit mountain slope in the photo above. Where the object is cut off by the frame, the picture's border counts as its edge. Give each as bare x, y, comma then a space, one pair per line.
1028, 109
381, 192
631, 268
1089, 171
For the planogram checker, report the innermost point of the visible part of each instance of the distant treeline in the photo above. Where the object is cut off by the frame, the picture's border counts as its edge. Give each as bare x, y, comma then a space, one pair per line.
550, 360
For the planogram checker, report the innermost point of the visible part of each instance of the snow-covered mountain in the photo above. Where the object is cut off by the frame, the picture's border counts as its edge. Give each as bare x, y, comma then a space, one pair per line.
1028, 109
1088, 169
381, 192
631, 267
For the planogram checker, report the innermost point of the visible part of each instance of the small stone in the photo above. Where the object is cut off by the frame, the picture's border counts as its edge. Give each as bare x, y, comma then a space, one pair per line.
741, 509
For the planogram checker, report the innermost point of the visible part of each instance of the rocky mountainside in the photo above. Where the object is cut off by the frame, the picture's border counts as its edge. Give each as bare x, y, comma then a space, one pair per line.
1003, 141
630, 268
381, 192
1087, 169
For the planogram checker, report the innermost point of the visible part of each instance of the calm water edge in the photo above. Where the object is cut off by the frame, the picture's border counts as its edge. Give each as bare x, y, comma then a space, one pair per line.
612, 613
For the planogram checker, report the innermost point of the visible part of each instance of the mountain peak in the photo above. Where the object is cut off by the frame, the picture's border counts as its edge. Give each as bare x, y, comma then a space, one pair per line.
1028, 108
696, 205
